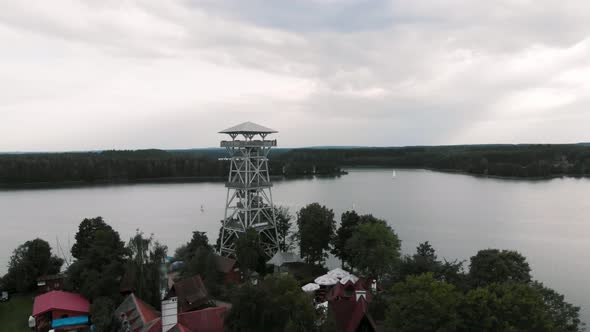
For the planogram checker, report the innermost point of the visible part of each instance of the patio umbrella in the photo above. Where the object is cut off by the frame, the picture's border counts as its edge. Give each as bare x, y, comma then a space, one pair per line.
326, 280
351, 277
338, 273
310, 287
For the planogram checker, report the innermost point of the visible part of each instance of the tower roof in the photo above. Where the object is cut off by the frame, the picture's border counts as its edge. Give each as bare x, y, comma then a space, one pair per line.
248, 128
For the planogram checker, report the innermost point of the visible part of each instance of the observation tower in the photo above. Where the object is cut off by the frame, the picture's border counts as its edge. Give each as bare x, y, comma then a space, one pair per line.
249, 197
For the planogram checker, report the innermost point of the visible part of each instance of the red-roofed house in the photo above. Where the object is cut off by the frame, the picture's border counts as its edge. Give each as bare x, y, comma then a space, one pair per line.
138, 315
229, 267
57, 304
349, 303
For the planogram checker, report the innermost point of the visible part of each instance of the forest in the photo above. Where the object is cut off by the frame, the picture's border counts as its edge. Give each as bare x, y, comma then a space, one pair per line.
516, 161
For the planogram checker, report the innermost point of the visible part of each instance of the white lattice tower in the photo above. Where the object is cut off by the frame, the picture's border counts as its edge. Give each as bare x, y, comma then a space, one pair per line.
249, 196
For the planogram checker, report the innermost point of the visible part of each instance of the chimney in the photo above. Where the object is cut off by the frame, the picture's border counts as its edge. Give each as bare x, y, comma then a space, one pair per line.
169, 313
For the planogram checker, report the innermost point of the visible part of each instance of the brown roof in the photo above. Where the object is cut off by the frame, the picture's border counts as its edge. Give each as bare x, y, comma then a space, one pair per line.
225, 264
191, 293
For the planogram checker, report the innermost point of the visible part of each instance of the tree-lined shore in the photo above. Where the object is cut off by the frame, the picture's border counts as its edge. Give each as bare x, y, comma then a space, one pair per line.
531, 161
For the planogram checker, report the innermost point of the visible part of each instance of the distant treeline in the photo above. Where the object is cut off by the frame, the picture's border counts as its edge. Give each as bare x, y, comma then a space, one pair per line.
132, 166
522, 161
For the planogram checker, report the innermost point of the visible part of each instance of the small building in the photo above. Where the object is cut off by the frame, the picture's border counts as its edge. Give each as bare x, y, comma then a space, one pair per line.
50, 282
229, 268
61, 311
191, 294
281, 259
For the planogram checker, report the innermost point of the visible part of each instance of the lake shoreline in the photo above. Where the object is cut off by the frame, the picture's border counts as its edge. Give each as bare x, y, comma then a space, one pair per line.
197, 179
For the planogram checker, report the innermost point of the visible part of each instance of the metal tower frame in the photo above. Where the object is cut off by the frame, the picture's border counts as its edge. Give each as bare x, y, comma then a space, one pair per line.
249, 197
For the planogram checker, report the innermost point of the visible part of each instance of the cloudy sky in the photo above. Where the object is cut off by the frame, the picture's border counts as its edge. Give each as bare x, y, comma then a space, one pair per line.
83, 75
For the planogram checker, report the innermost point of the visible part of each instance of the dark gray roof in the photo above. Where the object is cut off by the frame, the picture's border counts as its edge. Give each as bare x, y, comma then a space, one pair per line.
248, 128
281, 258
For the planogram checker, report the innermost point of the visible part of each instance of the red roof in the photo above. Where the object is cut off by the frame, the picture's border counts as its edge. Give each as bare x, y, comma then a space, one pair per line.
58, 300
204, 320
145, 310
350, 314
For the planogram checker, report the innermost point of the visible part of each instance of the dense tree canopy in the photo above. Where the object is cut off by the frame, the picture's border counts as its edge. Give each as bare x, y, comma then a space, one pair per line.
199, 259
103, 319
144, 266
316, 231
249, 252
425, 260
276, 304
493, 265
374, 248
284, 224
348, 223
29, 261
421, 303
509, 306
101, 259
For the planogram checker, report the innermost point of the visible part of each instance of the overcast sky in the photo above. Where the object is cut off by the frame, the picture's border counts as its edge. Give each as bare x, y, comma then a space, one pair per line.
85, 75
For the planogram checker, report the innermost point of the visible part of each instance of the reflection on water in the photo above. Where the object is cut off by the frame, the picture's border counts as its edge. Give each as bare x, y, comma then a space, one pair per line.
547, 221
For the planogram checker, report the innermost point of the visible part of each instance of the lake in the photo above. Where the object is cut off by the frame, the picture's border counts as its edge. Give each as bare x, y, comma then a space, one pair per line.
548, 221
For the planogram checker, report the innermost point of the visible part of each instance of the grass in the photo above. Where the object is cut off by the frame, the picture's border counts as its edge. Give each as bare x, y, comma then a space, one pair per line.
14, 314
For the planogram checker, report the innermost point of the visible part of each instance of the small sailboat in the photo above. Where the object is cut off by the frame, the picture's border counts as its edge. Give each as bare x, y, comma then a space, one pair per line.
393, 175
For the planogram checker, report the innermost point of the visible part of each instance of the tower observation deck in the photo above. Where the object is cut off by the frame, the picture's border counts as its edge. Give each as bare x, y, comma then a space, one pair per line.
249, 197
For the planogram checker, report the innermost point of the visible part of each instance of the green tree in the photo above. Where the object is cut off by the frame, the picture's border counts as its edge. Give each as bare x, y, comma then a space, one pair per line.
565, 316
276, 304
316, 231
284, 224
102, 315
29, 261
374, 248
200, 259
100, 265
348, 222
423, 304
495, 266
85, 235
425, 260
506, 306
248, 251
147, 257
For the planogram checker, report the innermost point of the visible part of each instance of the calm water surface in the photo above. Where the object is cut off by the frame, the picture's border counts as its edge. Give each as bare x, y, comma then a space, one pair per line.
547, 221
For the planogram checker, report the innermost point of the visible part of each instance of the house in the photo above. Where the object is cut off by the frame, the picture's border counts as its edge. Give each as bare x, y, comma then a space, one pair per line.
229, 268
280, 259
61, 311
191, 294
352, 316
349, 292
50, 282
349, 305
186, 308
204, 320
137, 315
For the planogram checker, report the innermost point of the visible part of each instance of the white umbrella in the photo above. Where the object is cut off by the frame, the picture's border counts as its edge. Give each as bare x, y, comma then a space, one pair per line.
310, 287
322, 305
338, 273
326, 280
351, 277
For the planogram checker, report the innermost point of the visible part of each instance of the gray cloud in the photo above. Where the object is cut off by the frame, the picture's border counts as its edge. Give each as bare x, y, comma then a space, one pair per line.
94, 75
